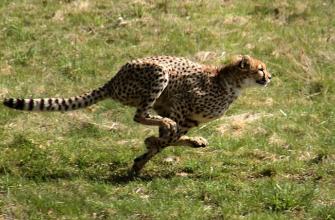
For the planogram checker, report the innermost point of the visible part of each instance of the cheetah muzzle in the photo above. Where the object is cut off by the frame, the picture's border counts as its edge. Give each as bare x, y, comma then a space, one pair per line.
183, 93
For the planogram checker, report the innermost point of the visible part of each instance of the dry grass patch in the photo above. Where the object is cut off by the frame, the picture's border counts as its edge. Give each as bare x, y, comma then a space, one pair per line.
74, 7
85, 119
236, 125
6, 69
276, 140
236, 20
209, 56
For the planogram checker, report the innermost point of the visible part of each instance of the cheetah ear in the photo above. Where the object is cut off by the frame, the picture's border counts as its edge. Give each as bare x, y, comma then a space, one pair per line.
245, 62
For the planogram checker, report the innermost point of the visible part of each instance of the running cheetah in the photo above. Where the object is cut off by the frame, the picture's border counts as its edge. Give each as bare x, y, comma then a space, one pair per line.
182, 93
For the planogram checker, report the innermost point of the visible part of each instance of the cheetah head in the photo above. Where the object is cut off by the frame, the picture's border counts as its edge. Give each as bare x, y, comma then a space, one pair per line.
253, 71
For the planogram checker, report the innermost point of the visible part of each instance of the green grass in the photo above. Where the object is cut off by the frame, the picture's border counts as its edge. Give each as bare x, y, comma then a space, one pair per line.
280, 165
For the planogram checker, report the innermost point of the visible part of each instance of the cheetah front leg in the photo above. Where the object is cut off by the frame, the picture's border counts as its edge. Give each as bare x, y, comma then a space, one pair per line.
194, 142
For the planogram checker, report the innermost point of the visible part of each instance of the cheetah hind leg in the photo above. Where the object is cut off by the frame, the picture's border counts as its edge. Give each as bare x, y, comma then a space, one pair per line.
142, 114
154, 146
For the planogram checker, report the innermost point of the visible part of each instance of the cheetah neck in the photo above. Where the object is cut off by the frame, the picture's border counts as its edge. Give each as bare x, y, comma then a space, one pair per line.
229, 80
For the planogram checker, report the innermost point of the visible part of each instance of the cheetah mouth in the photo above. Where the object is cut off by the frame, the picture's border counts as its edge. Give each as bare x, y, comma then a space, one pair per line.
262, 81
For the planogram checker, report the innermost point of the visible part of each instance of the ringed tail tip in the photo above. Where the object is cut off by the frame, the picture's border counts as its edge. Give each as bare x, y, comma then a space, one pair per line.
9, 102
14, 103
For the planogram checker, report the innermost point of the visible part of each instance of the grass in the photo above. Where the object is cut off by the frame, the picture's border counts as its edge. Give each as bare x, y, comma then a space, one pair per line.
271, 157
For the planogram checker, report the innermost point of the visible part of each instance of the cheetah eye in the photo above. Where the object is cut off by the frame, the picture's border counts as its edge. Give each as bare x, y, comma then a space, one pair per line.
241, 64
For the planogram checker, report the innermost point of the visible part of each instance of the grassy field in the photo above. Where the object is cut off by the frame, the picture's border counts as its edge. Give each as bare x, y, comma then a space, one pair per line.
272, 156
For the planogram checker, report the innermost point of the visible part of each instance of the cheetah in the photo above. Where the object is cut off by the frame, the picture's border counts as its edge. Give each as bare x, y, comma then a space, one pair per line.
183, 93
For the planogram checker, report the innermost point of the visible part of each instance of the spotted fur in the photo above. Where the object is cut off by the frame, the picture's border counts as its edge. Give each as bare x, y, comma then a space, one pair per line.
183, 94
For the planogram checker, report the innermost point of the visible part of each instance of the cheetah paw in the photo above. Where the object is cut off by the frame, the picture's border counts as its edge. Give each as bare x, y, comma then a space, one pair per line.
170, 125
198, 142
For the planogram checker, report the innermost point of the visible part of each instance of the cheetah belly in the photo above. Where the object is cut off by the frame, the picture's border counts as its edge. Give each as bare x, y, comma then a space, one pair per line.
204, 118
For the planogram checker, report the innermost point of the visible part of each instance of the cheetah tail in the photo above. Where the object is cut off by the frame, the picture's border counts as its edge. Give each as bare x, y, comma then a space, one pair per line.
58, 104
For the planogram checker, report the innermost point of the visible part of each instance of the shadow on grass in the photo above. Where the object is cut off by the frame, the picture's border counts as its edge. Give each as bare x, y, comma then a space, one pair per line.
27, 160
114, 176
124, 177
